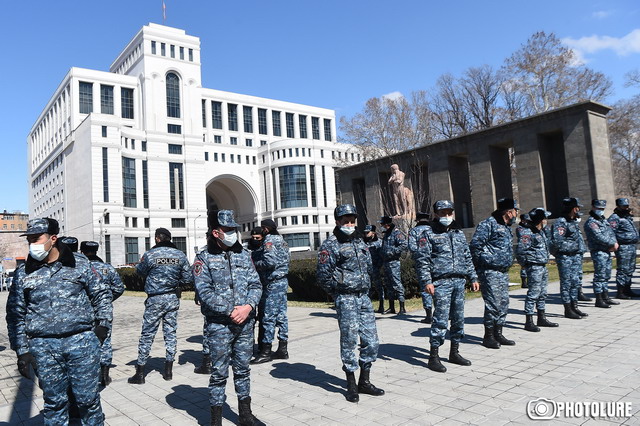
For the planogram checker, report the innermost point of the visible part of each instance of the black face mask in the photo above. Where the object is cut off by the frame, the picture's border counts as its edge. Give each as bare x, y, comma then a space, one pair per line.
254, 244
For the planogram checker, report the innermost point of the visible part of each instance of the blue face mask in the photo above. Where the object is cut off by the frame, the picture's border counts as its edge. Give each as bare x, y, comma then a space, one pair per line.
446, 220
599, 212
347, 230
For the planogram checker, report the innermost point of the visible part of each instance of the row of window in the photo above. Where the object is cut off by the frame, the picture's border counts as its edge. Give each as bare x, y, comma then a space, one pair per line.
180, 51
236, 159
132, 222
132, 252
85, 99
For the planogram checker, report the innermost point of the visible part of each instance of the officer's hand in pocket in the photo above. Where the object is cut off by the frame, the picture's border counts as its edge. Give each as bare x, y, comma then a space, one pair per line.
24, 361
101, 332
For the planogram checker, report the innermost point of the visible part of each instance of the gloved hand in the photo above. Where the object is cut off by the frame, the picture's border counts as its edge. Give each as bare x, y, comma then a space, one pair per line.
24, 361
102, 332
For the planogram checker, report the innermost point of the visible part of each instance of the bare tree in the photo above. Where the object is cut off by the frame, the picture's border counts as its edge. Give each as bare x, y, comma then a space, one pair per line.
450, 115
633, 78
481, 88
624, 136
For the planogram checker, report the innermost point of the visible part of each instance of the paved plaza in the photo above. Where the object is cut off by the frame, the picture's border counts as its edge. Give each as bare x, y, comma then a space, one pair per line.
593, 359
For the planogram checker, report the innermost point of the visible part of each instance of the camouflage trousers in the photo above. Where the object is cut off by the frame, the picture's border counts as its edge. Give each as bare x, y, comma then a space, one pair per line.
356, 321
376, 283
274, 308
427, 300
205, 337
106, 351
601, 270
393, 278
494, 286
523, 272
626, 264
538, 276
570, 270
69, 363
449, 303
229, 344
160, 308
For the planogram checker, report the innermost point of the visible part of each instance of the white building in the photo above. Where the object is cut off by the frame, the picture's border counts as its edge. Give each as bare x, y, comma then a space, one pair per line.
115, 155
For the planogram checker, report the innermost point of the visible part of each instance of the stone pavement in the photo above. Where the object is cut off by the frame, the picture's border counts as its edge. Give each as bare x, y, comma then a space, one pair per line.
593, 359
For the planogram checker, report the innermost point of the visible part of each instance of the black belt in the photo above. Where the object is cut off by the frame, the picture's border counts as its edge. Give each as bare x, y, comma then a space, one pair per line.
355, 293
63, 335
503, 270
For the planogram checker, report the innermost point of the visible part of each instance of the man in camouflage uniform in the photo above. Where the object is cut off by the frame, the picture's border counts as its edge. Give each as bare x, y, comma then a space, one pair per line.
524, 220
492, 253
375, 246
165, 269
114, 282
58, 314
271, 260
229, 289
443, 266
601, 241
532, 253
394, 243
422, 223
343, 271
621, 222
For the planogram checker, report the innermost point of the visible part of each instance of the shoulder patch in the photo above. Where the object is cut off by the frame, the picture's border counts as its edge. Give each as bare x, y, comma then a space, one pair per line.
526, 238
268, 245
614, 223
323, 256
561, 230
594, 225
197, 268
422, 242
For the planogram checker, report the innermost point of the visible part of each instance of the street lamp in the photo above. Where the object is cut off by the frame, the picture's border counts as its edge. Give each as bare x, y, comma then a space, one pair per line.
195, 234
101, 220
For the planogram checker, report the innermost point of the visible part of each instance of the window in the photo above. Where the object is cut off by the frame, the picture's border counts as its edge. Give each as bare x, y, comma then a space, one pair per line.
107, 248
284, 221
232, 115
247, 159
233, 140
206, 156
85, 94
222, 157
178, 223
176, 129
232, 158
146, 223
217, 139
315, 127
129, 182
172, 49
145, 185
248, 119
275, 118
254, 159
180, 243
302, 123
134, 222
294, 220
133, 144
215, 156
163, 49
175, 149
293, 186
322, 153
248, 142
305, 220
216, 115
191, 55
290, 129
297, 152
327, 129
126, 222
176, 186
126, 102
312, 182
262, 143
131, 249
181, 52
314, 218
143, 146
153, 47
204, 113
324, 186
147, 243
262, 121
105, 175
106, 99
173, 95
297, 240
107, 218
104, 131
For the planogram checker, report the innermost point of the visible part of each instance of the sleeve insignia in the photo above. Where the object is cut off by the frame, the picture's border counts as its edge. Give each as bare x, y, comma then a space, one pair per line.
561, 230
197, 268
526, 239
614, 223
323, 256
268, 245
594, 226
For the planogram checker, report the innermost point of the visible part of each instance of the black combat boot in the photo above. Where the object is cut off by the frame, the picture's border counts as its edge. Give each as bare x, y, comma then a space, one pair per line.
629, 292
216, 415
434, 361
167, 374
489, 340
392, 307
607, 299
138, 378
497, 331
352, 388
381, 306
428, 316
569, 312
600, 303
455, 357
264, 355
245, 416
583, 297
281, 352
574, 306
402, 309
365, 386
105, 380
525, 283
543, 321
529, 325
621, 294
205, 367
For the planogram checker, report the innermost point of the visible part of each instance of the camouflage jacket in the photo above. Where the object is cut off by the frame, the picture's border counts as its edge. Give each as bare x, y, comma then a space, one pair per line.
344, 264
224, 280
491, 245
600, 235
109, 275
59, 299
375, 250
414, 236
566, 237
272, 258
532, 248
164, 269
394, 243
623, 227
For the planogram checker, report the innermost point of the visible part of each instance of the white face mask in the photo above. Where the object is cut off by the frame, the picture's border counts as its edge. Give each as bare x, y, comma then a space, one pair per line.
599, 212
578, 220
230, 238
38, 252
347, 230
446, 220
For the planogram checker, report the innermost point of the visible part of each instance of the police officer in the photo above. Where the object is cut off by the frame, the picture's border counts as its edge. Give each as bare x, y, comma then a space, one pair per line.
422, 223
394, 243
271, 260
112, 279
165, 269
343, 271
532, 253
254, 244
229, 289
58, 314
492, 253
567, 245
602, 241
443, 265
621, 222
524, 220
375, 247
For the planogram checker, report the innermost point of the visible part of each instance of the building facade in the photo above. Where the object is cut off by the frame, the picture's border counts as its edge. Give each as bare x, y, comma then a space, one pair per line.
115, 155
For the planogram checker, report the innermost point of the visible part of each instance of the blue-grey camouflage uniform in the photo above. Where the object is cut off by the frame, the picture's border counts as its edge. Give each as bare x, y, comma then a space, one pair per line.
532, 253
164, 269
343, 271
414, 245
492, 253
567, 245
224, 280
627, 236
394, 243
271, 260
444, 260
375, 248
51, 311
600, 238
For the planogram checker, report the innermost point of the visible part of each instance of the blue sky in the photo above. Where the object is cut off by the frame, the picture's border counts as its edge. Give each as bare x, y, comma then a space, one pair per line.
329, 53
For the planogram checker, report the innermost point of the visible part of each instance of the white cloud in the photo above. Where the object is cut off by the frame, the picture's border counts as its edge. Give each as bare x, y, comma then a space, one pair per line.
602, 14
622, 46
393, 96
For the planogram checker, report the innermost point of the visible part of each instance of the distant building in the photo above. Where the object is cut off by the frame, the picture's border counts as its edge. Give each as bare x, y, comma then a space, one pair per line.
14, 221
115, 155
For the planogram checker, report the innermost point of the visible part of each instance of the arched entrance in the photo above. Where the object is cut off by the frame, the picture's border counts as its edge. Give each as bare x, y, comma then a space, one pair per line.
233, 193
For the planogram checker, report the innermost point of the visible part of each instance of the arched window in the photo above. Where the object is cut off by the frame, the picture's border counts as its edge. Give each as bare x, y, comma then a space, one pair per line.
173, 95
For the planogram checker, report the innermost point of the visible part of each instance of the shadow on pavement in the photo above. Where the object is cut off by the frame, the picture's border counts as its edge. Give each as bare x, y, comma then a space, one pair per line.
189, 356
408, 354
309, 374
331, 314
21, 409
181, 399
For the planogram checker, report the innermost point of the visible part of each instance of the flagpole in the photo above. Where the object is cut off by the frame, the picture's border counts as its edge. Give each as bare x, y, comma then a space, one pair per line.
164, 13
